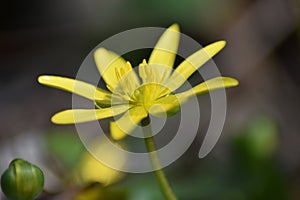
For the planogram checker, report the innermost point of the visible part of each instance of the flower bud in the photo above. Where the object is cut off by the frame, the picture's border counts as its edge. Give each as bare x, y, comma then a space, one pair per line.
22, 180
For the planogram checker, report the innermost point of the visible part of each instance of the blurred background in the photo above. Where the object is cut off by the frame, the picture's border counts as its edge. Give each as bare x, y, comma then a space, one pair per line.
257, 156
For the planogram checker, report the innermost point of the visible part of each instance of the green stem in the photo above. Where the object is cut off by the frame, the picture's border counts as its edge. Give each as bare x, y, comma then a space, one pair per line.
159, 173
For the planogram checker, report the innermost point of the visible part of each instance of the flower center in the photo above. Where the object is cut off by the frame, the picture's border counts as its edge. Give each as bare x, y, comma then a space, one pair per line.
147, 94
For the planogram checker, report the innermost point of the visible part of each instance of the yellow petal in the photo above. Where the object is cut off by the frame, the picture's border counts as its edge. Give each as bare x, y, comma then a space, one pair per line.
165, 107
207, 86
85, 115
112, 67
165, 50
126, 124
75, 86
91, 170
193, 62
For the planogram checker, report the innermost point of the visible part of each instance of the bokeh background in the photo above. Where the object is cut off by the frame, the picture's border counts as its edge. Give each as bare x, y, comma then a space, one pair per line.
257, 156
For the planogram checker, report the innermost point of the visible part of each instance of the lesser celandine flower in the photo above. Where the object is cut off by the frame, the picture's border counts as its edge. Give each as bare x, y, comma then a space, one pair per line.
135, 96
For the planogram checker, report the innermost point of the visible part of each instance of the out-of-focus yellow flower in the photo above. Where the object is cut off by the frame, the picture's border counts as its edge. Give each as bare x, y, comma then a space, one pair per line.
91, 170
135, 97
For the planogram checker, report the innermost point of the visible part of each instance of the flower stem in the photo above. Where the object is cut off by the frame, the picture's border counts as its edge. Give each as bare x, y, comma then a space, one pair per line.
159, 173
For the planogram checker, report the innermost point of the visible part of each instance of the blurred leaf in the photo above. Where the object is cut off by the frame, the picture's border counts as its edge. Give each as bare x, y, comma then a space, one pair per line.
66, 147
254, 169
259, 139
142, 187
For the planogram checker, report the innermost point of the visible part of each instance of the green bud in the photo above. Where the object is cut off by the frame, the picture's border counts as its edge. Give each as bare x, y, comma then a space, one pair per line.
22, 180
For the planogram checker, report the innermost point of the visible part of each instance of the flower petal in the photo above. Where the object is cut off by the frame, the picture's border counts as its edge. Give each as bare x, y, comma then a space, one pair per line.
92, 168
165, 107
165, 50
207, 86
112, 67
77, 87
193, 62
85, 115
126, 124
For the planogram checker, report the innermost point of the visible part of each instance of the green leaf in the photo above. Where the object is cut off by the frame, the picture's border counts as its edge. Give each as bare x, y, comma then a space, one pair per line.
259, 139
66, 147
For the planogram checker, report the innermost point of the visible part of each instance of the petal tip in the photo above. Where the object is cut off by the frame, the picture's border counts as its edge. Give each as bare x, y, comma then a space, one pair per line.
60, 118
43, 78
100, 51
221, 43
128, 64
174, 27
231, 81
235, 82
54, 119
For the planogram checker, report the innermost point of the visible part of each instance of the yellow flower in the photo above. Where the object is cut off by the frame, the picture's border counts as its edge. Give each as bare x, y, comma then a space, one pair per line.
135, 97
90, 169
